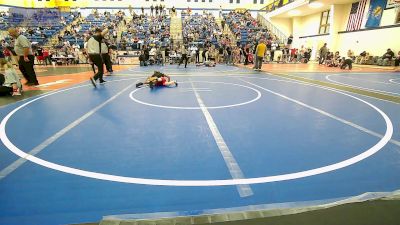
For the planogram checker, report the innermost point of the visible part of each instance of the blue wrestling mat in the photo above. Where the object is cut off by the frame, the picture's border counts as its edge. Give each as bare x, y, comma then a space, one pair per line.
225, 138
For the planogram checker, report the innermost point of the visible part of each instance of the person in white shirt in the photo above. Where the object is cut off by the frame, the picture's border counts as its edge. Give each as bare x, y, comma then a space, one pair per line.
85, 53
23, 48
94, 52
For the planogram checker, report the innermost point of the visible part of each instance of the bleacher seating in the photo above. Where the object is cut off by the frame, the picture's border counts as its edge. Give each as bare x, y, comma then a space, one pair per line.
200, 28
147, 30
41, 25
245, 27
87, 26
14, 19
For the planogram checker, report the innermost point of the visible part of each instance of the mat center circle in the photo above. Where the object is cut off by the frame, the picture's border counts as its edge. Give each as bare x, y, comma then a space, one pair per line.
216, 95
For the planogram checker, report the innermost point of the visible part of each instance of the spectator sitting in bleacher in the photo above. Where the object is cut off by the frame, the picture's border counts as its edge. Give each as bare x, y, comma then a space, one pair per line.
386, 58
147, 30
364, 56
200, 28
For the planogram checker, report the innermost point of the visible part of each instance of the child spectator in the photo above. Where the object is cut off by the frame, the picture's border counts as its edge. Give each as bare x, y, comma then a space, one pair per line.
346, 62
10, 83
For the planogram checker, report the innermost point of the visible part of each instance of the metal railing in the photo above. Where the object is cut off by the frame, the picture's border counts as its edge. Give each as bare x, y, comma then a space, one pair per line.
262, 18
282, 37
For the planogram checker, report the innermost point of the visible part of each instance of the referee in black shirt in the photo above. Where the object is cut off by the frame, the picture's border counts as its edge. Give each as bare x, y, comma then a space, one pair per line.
94, 51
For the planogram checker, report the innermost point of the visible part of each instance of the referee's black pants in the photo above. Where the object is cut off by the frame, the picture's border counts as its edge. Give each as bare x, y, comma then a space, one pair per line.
107, 62
27, 69
98, 61
184, 57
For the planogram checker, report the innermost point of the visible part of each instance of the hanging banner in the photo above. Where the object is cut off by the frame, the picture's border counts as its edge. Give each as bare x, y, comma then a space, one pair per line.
375, 12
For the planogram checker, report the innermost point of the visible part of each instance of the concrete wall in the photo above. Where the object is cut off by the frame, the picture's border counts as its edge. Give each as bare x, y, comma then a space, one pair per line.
373, 41
285, 25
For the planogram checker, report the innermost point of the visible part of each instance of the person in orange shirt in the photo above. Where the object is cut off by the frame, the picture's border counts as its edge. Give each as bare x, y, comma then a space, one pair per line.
260, 53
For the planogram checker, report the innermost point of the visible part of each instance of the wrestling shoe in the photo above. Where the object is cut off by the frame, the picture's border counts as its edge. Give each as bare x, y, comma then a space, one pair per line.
139, 84
176, 83
102, 81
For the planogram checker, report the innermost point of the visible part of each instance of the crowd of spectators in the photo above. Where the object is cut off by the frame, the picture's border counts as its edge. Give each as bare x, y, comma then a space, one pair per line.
146, 30
203, 39
8, 19
82, 28
335, 59
200, 28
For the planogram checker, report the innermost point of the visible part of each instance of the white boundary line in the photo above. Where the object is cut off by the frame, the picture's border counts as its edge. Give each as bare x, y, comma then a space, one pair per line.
365, 80
354, 86
320, 86
167, 69
19, 162
363, 129
288, 80
131, 95
290, 176
393, 81
230, 161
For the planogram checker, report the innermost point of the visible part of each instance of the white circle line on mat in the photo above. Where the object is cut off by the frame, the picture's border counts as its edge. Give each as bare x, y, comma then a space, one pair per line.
329, 78
131, 95
197, 183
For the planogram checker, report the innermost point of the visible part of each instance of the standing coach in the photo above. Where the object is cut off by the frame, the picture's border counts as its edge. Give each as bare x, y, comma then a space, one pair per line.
94, 52
23, 49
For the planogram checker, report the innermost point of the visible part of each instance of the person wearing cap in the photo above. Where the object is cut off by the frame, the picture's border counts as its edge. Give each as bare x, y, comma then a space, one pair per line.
106, 56
23, 49
94, 52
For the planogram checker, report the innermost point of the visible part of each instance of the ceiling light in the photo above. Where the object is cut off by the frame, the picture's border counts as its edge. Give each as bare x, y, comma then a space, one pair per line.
316, 5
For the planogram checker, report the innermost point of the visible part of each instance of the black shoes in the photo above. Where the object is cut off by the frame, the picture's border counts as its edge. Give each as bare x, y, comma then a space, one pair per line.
32, 83
138, 85
102, 81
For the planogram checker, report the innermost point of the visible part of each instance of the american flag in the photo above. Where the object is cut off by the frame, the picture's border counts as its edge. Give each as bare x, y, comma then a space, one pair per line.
356, 15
